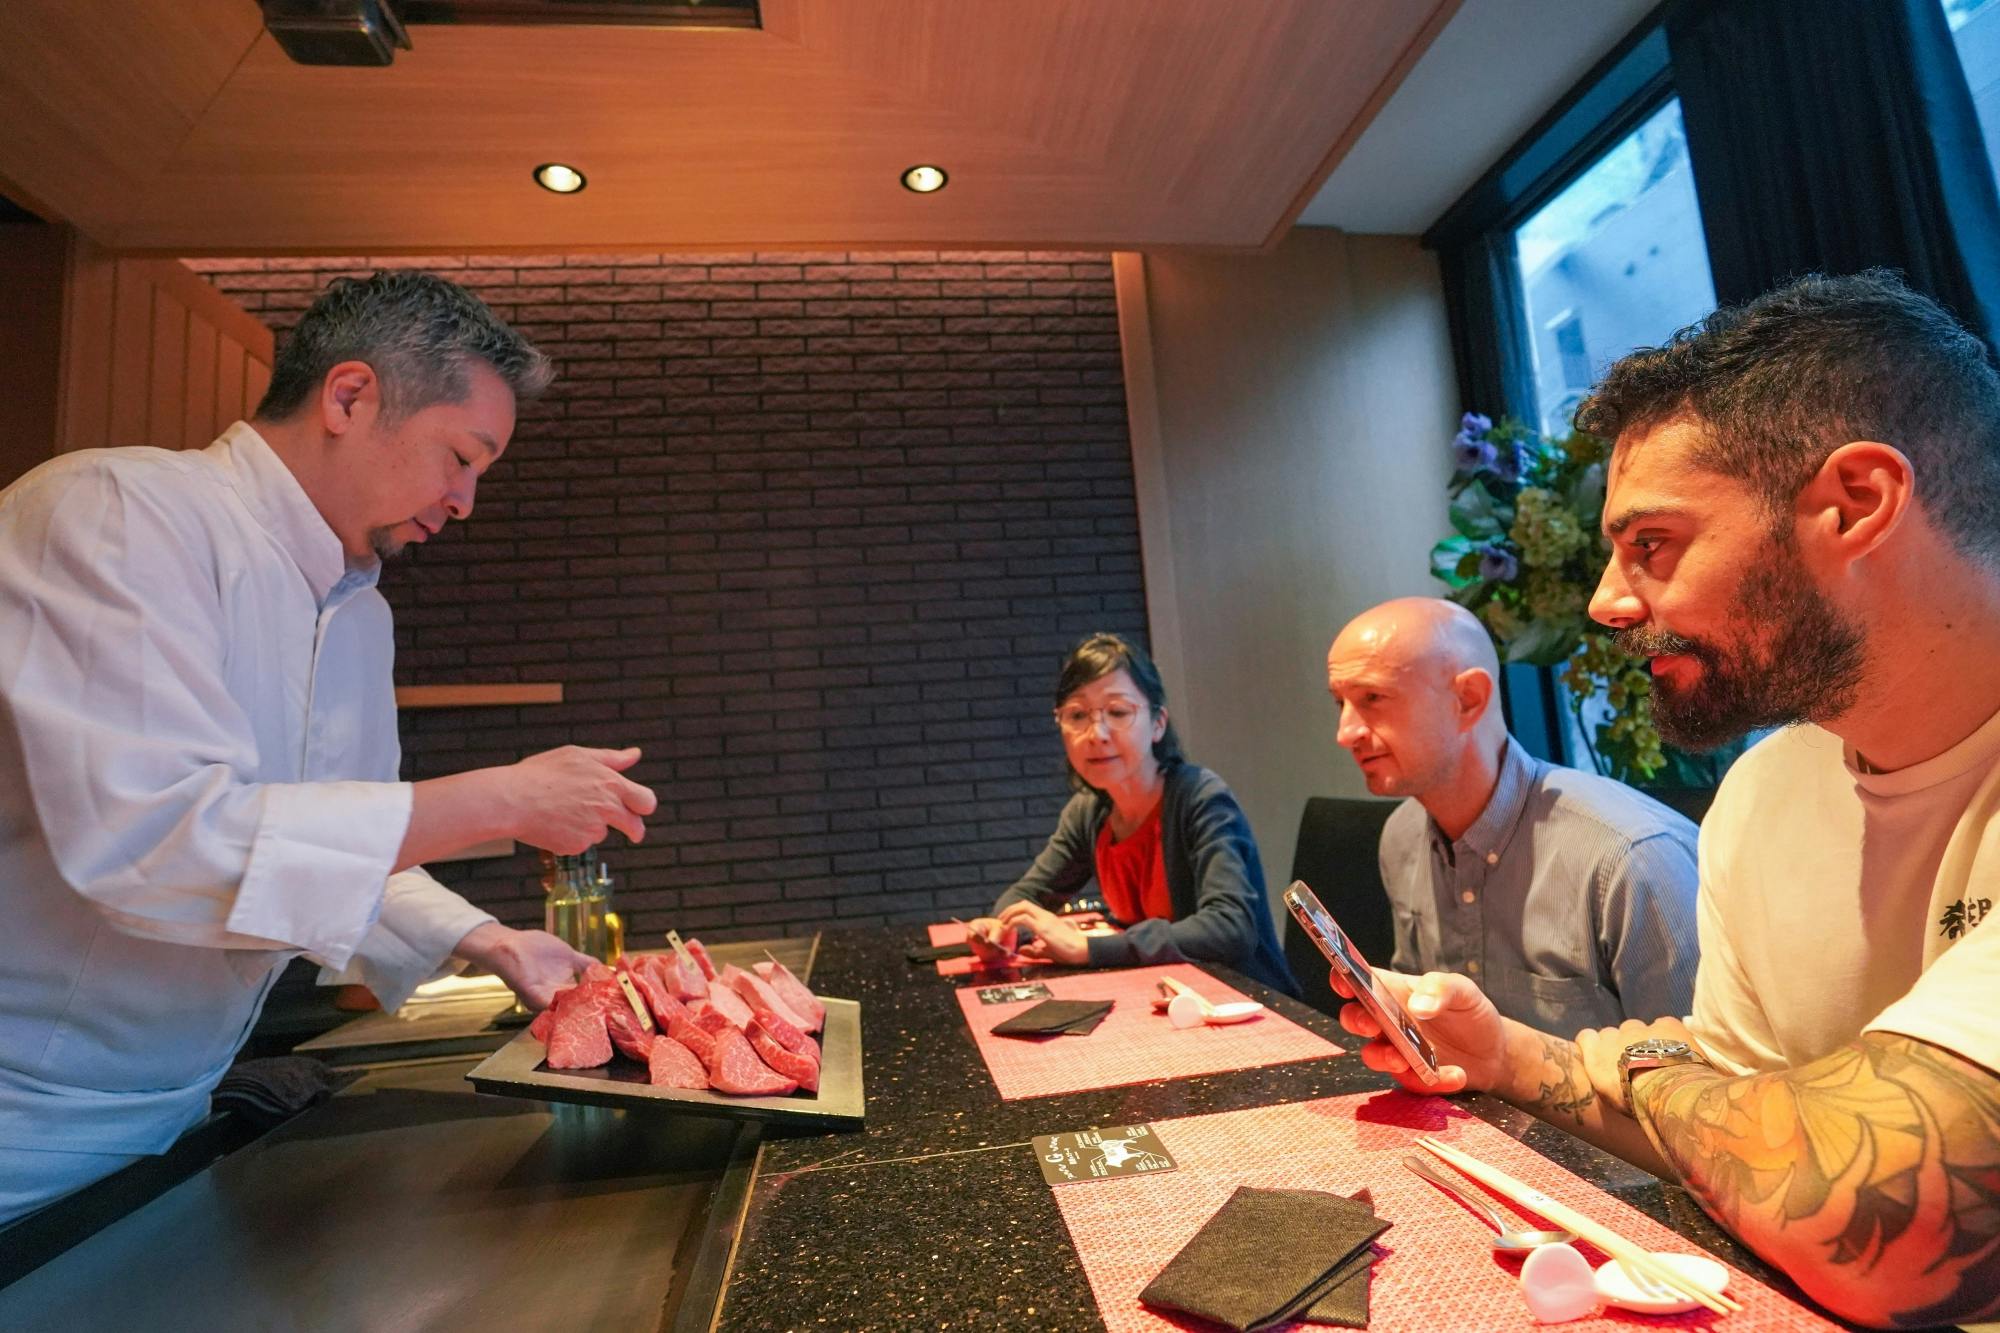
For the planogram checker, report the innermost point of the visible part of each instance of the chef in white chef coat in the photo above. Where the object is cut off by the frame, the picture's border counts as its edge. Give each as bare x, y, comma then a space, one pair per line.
198, 750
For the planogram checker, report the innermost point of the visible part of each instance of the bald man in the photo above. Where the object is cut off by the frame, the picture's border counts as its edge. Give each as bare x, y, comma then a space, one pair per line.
1569, 898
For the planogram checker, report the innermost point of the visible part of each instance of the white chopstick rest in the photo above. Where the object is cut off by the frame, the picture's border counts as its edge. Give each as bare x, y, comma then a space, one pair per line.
1558, 1285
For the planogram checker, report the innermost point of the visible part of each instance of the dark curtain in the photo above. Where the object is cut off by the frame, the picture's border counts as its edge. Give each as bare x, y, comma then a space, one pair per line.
1833, 135
1490, 343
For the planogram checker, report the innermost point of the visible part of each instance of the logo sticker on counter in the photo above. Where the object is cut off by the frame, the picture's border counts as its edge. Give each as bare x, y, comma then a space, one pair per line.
1023, 990
1100, 1154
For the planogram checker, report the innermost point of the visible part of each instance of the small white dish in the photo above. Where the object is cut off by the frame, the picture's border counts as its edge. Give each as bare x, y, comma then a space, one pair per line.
1557, 1284
1637, 1292
1184, 1010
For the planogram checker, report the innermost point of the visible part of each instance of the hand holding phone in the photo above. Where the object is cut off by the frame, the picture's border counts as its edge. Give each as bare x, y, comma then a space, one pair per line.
1398, 1028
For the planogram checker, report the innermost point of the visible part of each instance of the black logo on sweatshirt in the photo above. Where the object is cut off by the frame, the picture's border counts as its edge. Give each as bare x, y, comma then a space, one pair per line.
1963, 915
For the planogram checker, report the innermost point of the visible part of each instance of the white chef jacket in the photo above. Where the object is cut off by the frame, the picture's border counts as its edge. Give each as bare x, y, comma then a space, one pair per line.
198, 781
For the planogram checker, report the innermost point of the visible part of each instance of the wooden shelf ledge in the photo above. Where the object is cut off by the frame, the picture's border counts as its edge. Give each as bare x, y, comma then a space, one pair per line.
477, 696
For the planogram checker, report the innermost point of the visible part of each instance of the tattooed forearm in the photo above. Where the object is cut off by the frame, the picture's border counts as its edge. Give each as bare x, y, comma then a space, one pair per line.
1565, 1092
1871, 1176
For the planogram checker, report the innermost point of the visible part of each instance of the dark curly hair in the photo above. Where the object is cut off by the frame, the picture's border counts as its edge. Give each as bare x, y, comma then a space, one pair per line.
1780, 382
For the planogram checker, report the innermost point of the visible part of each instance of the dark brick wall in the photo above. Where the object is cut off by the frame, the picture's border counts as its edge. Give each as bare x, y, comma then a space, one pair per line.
812, 529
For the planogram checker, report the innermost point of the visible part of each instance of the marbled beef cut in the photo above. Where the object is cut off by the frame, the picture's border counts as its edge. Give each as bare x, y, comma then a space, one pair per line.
789, 1037
786, 1064
649, 975
701, 958
695, 1037
675, 1066
757, 993
578, 1039
736, 1069
627, 1033
798, 997
732, 1006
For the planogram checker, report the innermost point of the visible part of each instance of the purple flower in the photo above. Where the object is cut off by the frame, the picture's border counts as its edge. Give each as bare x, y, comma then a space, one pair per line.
1472, 454
1475, 425
1497, 564
1509, 463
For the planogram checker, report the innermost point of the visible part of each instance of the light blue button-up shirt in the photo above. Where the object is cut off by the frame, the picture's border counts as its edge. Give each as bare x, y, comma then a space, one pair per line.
1570, 900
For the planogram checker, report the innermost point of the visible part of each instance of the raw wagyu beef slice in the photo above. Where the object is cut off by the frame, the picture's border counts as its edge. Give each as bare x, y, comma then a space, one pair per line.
695, 1037
737, 1069
784, 1063
675, 1066
787, 1036
757, 993
578, 1040
798, 997
628, 1034
701, 958
730, 1005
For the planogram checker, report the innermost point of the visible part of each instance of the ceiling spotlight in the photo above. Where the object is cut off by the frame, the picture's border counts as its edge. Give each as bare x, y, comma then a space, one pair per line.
559, 179
924, 180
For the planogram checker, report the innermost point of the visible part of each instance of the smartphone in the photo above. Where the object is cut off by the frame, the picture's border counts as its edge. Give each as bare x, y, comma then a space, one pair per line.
1395, 1022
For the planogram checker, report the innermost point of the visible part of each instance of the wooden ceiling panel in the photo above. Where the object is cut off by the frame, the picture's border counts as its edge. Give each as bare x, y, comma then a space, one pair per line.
1107, 123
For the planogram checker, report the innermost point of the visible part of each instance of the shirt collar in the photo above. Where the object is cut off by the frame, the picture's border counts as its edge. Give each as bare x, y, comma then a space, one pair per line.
285, 511
1494, 829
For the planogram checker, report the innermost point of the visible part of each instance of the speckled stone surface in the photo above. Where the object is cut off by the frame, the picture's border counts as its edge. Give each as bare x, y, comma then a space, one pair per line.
935, 1216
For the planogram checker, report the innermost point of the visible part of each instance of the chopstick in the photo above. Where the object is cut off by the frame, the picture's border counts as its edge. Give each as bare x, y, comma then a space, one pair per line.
1604, 1238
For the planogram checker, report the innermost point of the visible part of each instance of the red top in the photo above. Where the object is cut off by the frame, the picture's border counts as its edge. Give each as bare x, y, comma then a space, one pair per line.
1132, 874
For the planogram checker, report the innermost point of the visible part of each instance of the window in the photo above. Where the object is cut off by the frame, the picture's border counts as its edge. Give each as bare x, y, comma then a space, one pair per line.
1616, 260
1975, 31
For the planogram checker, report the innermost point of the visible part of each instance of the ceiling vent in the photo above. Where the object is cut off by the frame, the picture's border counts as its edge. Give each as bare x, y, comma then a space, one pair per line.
368, 32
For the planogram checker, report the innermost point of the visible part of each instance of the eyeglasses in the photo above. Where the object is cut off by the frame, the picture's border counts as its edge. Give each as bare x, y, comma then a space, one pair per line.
1076, 720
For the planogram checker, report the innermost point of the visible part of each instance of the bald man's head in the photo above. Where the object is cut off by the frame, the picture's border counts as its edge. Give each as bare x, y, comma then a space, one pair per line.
1415, 680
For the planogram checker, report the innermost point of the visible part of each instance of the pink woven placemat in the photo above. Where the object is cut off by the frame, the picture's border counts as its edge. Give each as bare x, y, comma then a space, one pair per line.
1437, 1270
950, 932
1133, 1044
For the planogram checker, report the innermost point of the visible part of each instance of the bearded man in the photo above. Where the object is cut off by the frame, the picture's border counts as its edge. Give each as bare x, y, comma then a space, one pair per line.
1803, 504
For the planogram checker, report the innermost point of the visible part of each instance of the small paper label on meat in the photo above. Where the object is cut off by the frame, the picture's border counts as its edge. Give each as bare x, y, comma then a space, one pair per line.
638, 1005
1100, 1154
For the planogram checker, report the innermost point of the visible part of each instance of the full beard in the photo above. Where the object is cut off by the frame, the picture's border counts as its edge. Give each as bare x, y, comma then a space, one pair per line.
1805, 666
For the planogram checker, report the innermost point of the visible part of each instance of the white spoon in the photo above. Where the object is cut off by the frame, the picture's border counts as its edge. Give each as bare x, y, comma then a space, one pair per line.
1188, 1009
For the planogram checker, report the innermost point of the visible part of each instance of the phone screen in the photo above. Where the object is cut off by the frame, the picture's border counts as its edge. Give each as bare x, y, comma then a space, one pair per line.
1397, 1026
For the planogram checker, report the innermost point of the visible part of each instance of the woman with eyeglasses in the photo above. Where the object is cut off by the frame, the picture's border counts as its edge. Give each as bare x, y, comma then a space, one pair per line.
1164, 838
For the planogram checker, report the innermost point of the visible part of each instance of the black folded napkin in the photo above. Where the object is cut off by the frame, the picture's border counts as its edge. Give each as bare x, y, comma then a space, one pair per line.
1053, 1016
1272, 1255
931, 953
271, 1090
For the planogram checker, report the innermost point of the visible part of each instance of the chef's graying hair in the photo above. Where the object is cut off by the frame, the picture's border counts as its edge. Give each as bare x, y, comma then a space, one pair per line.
419, 333
1097, 657
1779, 383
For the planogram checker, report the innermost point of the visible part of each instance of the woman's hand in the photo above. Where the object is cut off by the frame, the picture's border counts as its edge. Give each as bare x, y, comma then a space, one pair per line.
990, 941
1052, 939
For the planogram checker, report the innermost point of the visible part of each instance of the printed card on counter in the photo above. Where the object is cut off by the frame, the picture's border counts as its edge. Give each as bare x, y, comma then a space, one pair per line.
1100, 1154
1024, 990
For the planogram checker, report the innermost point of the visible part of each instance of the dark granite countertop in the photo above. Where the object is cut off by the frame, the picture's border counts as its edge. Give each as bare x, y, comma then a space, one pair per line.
936, 1216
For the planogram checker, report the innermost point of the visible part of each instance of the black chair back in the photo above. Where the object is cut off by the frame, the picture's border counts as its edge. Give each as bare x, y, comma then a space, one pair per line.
1336, 857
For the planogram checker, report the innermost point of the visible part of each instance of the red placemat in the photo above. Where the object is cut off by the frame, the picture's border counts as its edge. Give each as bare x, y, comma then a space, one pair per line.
1437, 1268
1133, 1044
950, 932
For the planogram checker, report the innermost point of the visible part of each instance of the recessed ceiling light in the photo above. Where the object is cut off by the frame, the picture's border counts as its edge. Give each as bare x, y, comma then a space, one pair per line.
559, 179
924, 180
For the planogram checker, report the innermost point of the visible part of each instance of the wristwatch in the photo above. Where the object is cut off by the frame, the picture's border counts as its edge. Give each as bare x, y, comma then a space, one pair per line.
1653, 1054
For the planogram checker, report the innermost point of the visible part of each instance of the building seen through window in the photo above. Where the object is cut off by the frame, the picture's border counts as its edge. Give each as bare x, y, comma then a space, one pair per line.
1616, 260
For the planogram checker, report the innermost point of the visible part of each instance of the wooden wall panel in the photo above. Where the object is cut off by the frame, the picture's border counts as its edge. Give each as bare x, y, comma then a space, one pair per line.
31, 258
152, 354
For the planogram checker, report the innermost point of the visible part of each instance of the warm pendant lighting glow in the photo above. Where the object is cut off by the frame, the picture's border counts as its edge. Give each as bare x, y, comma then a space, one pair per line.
560, 179
924, 180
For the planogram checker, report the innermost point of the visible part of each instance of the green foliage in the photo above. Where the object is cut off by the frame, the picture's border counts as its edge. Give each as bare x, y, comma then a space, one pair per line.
1525, 556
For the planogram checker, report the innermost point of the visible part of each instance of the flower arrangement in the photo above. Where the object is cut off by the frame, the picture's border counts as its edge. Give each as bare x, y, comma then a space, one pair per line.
1525, 556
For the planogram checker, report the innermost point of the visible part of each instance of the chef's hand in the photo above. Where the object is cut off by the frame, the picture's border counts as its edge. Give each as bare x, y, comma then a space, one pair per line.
990, 941
1601, 1047
566, 799
533, 963
1461, 1024
1054, 939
